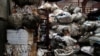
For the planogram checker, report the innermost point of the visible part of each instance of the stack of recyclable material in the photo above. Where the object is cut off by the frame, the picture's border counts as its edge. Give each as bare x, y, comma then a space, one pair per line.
17, 43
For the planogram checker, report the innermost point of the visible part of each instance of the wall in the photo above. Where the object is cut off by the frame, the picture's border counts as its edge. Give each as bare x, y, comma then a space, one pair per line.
96, 5
88, 8
68, 2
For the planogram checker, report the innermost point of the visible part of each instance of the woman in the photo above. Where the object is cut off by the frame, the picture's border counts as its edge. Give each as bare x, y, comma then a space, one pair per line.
67, 38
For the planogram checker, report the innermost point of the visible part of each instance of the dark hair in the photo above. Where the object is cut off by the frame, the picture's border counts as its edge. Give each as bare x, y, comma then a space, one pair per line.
65, 29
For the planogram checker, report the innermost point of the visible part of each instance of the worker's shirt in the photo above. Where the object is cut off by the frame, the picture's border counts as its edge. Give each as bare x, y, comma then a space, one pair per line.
69, 41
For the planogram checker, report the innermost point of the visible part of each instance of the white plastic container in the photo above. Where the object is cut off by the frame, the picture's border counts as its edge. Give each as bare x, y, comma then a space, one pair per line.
17, 36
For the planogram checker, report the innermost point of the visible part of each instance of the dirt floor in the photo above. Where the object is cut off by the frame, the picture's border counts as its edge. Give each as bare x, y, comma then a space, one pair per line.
33, 50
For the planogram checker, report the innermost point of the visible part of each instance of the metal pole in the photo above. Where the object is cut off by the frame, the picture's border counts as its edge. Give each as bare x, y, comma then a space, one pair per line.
84, 5
47, 33
78, 2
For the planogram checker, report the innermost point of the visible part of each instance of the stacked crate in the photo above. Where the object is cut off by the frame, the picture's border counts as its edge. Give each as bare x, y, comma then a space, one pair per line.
18, 43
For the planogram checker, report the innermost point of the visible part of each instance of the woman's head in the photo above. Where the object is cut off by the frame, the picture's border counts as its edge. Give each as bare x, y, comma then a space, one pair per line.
65, 30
